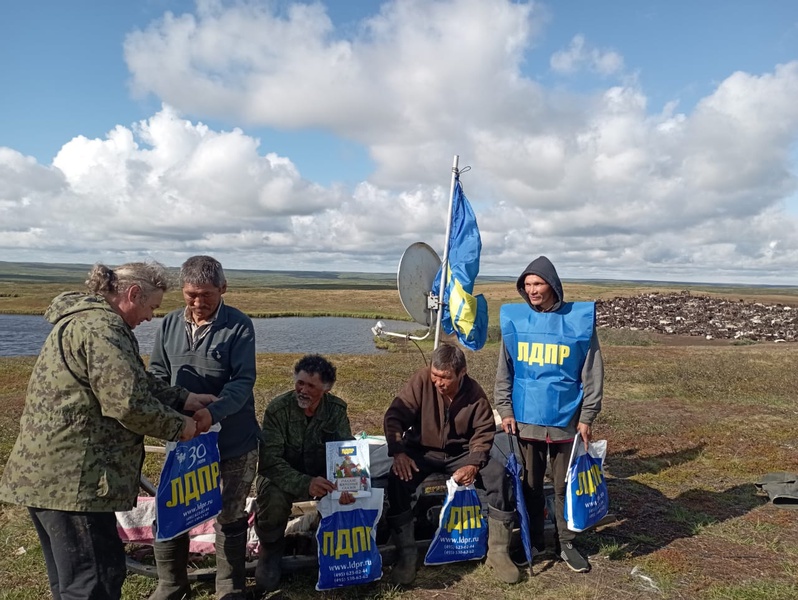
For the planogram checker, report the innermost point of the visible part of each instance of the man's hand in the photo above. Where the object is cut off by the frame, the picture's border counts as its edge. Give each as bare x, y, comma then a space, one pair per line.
204, 420
404, 466
346, 498
465, 475
319, 487
196, 402
586, 432
508, 425
189, 429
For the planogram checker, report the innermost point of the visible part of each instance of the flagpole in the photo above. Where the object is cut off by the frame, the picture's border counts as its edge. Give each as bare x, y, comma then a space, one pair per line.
445, 261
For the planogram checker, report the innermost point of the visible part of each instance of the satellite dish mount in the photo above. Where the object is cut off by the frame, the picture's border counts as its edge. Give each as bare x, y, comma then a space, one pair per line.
417, 270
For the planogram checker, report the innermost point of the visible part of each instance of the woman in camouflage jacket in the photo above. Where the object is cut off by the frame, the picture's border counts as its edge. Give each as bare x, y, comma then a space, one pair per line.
89, 404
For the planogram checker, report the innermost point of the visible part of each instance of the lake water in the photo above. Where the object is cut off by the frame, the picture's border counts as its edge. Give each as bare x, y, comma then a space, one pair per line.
23, 335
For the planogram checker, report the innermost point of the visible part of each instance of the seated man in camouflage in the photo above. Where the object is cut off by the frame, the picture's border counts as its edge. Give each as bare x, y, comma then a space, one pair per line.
292, 461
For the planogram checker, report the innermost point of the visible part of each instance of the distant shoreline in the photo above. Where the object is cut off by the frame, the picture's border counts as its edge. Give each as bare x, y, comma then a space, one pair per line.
35, 272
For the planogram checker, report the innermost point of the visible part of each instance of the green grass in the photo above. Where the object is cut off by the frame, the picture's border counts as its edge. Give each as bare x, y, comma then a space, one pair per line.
755, 590
612, 550
695, 521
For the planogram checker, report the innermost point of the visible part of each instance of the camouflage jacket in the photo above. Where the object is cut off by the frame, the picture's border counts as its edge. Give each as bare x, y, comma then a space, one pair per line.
292, 448
89, 404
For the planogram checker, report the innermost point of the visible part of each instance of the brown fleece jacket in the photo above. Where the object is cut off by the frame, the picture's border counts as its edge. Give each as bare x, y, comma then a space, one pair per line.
418, 420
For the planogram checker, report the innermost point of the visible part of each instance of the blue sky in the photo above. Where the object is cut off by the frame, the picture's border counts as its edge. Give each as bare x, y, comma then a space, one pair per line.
630, 139
65, 63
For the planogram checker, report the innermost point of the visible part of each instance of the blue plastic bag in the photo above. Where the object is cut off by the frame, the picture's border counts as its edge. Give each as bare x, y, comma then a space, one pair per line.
347, 541
189, 491
462, 532
586, 498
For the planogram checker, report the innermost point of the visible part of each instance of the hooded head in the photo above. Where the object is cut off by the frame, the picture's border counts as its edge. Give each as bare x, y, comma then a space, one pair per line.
540, 286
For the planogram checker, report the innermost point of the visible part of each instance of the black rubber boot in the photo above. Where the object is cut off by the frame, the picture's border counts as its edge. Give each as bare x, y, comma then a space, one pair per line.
171, 561
270, 560
231, 559
500, 530
404, 571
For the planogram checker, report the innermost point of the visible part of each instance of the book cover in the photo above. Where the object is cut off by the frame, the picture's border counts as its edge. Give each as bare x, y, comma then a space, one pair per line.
348, 467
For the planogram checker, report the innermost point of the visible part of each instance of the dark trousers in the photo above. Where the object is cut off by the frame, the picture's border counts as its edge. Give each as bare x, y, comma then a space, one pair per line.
84, 556
492, 478
535, 455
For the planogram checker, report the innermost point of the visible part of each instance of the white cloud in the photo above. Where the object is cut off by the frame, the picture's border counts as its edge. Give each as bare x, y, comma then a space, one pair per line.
173, 187
409, 80
580, 55
27, 192
598, 182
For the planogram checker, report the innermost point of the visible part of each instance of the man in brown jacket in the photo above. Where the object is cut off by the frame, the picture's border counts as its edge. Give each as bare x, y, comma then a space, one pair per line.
442, 422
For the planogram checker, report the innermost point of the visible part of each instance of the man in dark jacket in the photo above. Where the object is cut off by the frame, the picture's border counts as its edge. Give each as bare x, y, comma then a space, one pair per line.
549, 385
442, 422
209, 347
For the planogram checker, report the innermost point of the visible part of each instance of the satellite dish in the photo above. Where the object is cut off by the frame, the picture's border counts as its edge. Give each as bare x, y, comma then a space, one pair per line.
417, 270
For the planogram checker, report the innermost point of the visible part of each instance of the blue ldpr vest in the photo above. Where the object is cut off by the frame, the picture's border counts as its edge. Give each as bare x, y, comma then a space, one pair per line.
548, 351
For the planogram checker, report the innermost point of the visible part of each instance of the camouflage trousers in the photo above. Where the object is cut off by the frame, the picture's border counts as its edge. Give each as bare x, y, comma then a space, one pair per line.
274, 510
237, 475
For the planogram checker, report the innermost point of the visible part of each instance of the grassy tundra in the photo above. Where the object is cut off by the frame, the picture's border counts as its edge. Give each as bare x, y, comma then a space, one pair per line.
690, 428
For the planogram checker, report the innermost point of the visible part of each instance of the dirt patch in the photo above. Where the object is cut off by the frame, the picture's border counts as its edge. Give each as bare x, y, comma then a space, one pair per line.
715, 558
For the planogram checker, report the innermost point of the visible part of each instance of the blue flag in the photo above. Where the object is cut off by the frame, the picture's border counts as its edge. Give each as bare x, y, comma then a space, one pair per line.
463, 314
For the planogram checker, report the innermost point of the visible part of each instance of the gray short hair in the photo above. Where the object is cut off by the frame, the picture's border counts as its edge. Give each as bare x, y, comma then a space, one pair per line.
202, 270
149, 276
449, 357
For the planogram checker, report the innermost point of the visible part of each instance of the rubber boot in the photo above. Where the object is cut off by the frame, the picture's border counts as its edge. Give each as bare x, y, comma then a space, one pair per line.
270, 560
404, 571
231, 559
171, 561
500, 530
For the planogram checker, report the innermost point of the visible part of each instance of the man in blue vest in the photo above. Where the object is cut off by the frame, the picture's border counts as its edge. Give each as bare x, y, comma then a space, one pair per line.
549, 385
